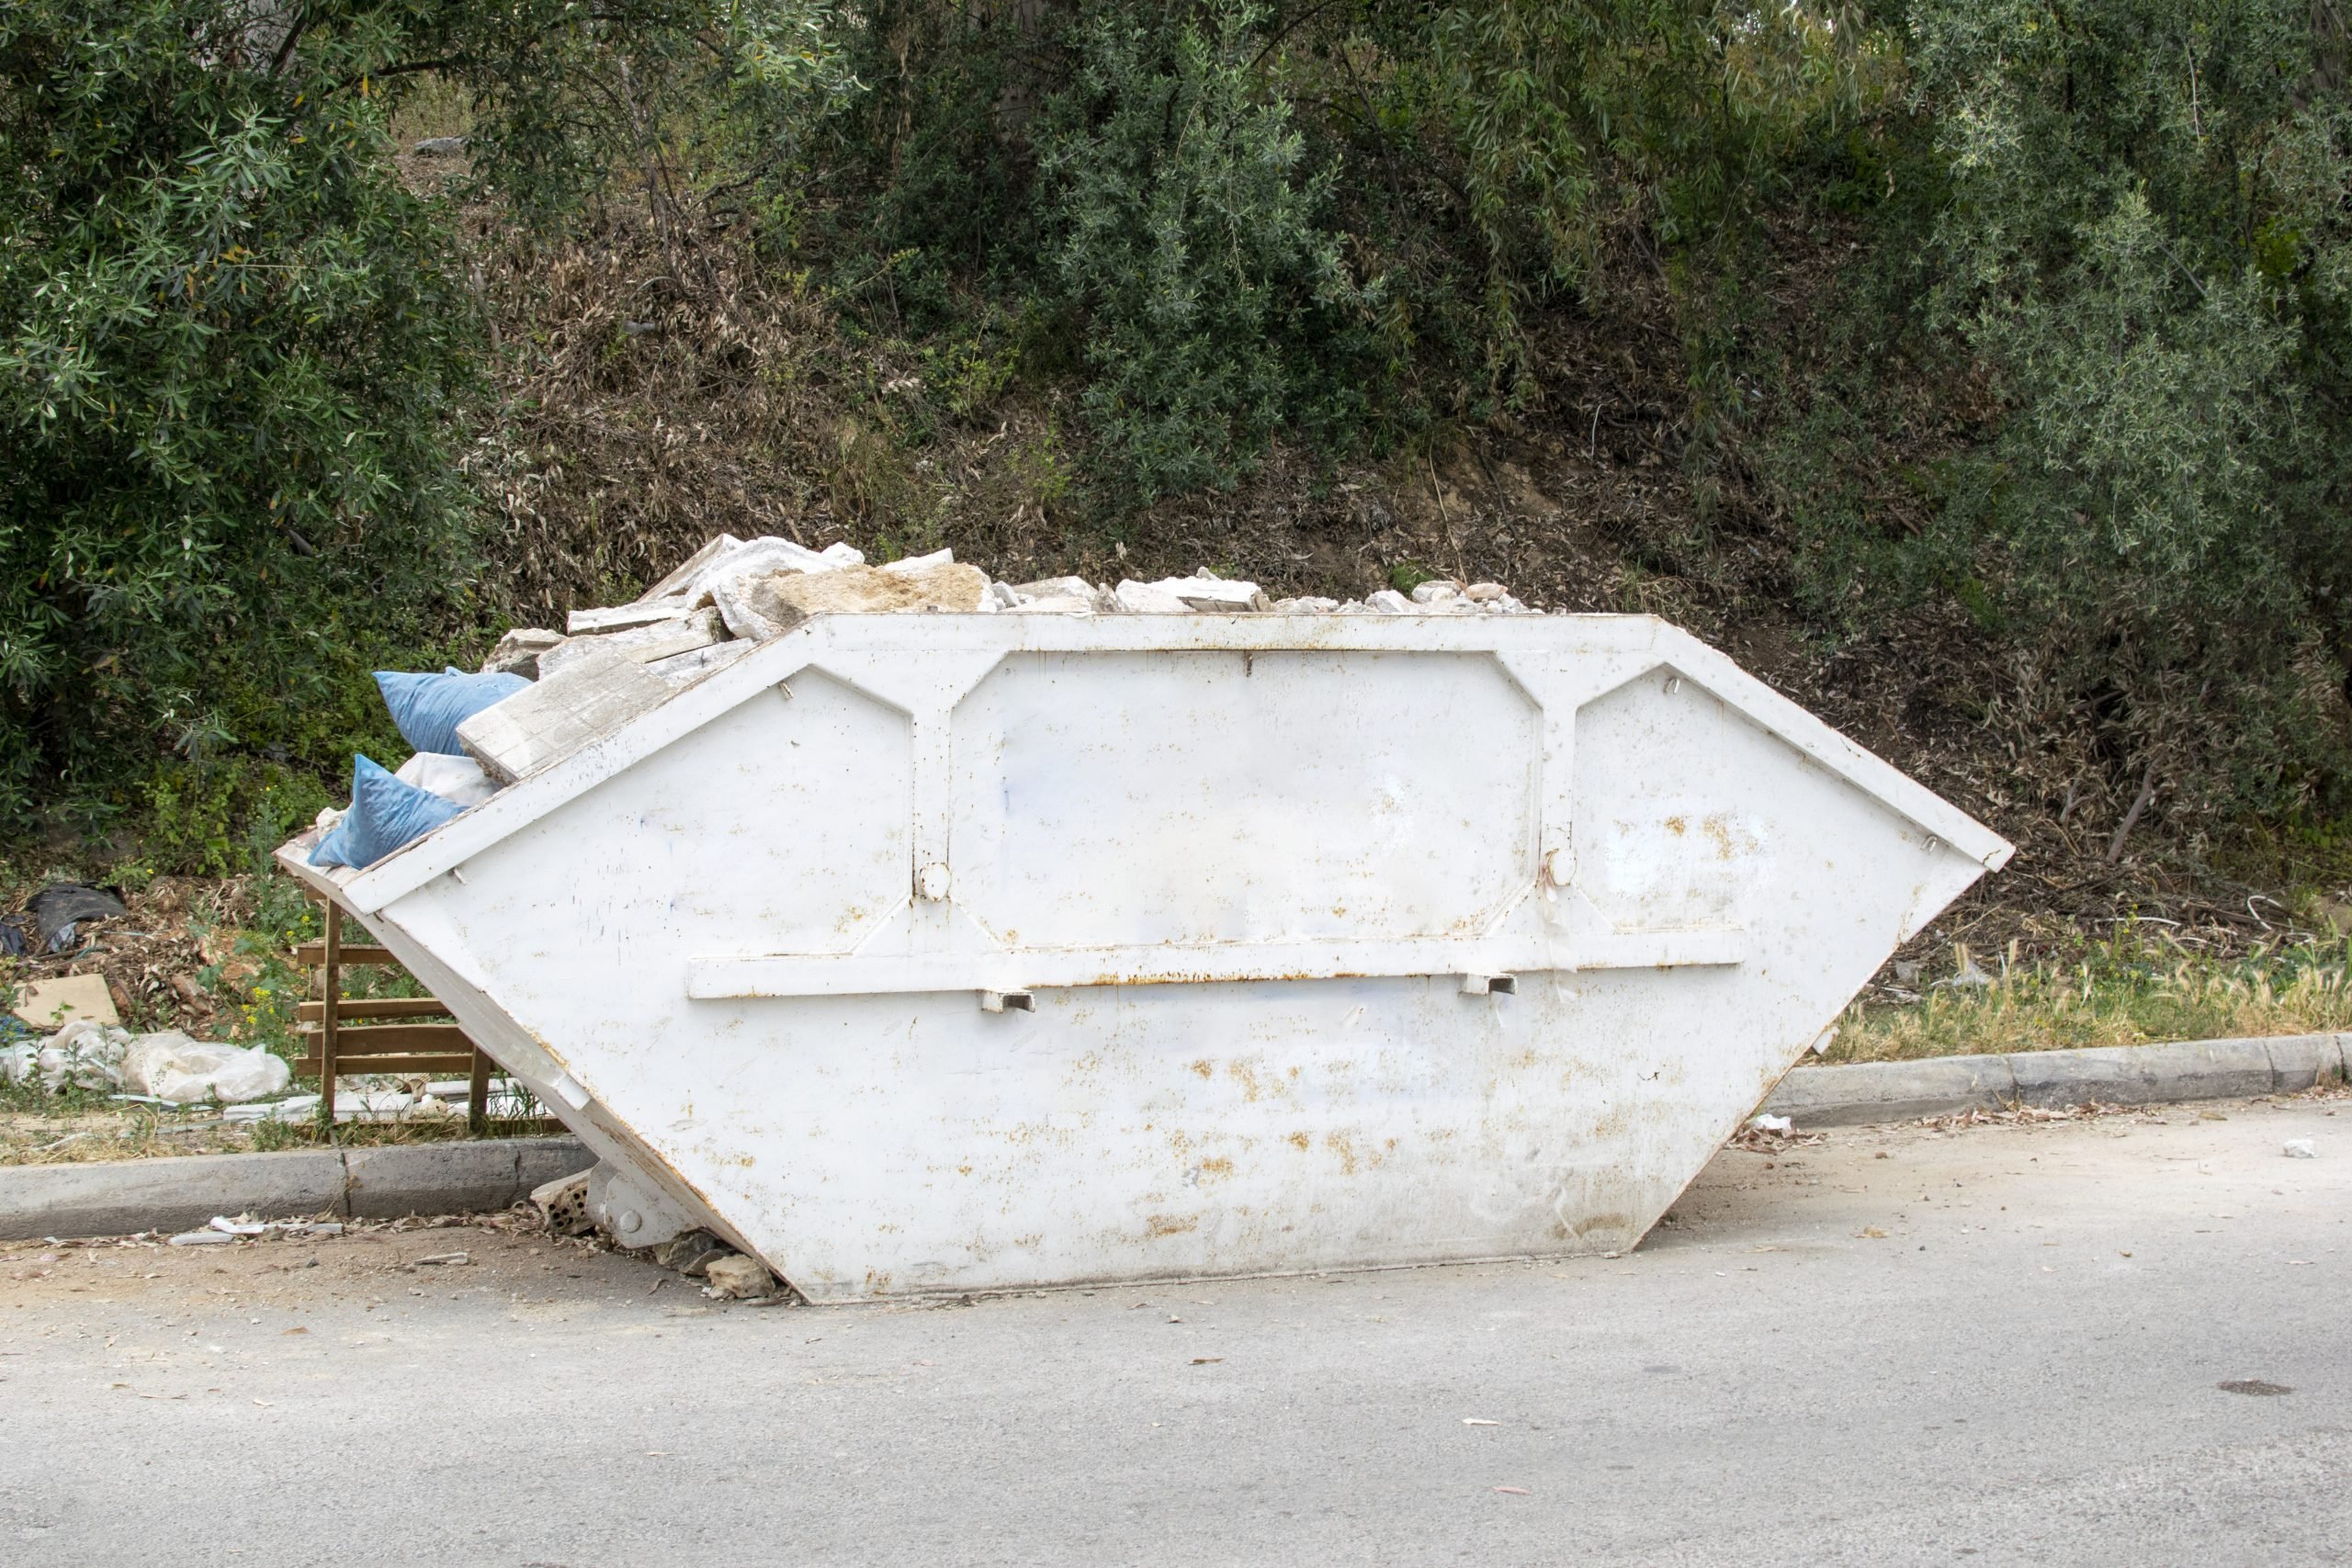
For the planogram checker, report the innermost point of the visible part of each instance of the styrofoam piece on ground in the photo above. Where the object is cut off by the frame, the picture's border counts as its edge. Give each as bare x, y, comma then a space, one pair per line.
557, 716
687, 939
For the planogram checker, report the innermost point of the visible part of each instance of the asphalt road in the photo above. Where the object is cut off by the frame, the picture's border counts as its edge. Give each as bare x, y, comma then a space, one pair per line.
2023, 1368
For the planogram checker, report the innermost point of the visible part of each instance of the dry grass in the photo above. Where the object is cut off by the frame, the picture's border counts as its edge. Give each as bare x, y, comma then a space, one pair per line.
2131, 990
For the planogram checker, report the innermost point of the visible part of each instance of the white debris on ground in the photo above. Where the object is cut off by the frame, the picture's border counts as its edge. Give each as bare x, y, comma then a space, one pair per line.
166, 1067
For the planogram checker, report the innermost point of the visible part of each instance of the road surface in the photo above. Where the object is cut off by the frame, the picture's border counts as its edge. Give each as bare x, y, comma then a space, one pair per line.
1997, 1344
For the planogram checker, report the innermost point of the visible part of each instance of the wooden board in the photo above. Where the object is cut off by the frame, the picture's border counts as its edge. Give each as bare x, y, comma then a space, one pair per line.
374, 1040
375, 1007
315, 953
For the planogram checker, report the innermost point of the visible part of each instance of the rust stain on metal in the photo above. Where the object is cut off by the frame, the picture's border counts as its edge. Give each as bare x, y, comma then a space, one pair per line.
1169, 1224
1297, 1141
1202, 1069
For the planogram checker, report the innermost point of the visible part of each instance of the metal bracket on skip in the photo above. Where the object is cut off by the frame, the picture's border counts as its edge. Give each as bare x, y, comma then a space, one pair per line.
1007, 979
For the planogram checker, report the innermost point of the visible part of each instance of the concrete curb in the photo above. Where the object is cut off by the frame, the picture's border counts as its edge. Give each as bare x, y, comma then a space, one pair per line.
2110, 1075
118, 1197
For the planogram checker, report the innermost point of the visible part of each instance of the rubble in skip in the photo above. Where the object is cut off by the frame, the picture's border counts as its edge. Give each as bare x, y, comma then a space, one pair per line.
611, 663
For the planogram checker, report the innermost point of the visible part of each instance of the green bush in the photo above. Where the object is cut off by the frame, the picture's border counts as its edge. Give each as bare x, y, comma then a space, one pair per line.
235, 348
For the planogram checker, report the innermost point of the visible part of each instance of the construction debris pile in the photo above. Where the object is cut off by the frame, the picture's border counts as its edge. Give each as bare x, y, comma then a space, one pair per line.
611, 664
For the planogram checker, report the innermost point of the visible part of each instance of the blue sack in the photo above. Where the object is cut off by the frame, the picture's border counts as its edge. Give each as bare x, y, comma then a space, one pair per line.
384, 815
428, 708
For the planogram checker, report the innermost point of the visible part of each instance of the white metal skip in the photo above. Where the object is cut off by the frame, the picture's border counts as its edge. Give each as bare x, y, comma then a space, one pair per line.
934, 953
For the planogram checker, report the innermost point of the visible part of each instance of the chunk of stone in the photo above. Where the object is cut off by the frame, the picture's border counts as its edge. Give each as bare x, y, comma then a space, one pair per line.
1388, 602
1003, 593
1486, 592
1306, 606
692, 1252
787, 599
663, 639
1436, 591
518, 652
909, 564
593, 695
737, 1278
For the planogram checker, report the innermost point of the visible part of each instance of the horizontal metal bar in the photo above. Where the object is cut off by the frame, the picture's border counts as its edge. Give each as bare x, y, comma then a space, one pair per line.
1035, 969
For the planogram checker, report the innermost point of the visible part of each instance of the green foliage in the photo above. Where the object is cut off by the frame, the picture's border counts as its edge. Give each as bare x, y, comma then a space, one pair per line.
237, 351
2146, 245
1187, 229
234, 348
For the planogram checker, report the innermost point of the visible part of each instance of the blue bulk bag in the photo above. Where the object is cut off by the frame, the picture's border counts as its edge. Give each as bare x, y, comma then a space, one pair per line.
428, 708
384, 815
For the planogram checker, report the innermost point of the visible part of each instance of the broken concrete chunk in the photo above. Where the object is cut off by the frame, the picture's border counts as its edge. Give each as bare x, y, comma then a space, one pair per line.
737, 1278
1436, 591
1307, 606
518, 652
784, 600
620, 617
1003, 593
1052, 588
920, 563
663, 639
563, 1204
1148, 599
1486, 592
593, 694
1388, 602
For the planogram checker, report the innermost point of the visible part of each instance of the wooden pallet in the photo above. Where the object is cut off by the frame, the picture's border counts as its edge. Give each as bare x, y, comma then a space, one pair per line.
336, 1043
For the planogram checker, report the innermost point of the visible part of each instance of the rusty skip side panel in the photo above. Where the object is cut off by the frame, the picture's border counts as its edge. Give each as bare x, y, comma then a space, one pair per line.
1399, 940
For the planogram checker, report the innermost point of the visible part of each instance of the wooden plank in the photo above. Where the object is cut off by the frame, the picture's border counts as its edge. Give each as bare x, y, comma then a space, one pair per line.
374, 1040
330, 961
477, 1094
376, 1006
315, 952
439, 1067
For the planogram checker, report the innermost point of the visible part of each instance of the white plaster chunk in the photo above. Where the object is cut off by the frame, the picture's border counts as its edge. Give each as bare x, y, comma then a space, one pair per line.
1388, 602
1148, 599
620, 617
1052, 588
